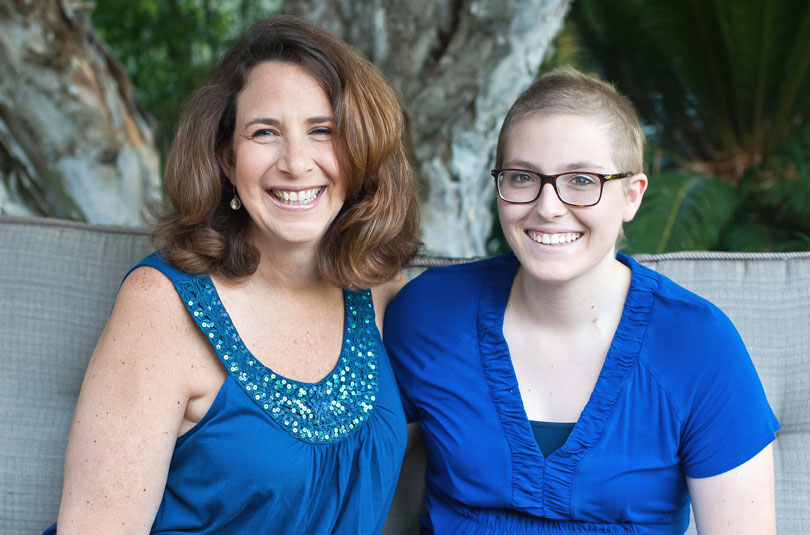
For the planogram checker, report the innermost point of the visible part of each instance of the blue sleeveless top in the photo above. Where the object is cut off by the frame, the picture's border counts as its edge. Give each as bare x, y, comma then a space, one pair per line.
274, 455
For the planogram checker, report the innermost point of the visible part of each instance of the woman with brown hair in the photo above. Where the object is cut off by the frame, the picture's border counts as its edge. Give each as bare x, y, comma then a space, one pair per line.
240, 385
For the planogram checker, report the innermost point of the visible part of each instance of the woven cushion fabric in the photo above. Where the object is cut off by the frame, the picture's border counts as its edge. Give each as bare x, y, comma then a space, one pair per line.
58, 282
767, 296
403, 517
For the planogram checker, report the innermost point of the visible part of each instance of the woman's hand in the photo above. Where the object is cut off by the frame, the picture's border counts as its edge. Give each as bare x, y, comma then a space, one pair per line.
740, 501
129, 411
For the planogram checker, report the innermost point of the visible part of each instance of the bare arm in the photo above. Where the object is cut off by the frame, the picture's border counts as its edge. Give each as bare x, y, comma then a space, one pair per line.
737, 502
130, 408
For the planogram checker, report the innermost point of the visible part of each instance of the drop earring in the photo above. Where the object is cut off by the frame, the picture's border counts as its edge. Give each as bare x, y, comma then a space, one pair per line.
235, 204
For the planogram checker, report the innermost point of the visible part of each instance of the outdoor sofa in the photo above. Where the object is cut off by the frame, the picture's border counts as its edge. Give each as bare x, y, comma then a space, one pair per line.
58, 281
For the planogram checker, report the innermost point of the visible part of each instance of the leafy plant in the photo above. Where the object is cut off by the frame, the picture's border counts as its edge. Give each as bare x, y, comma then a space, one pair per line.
768, 209
723, 89
167, 46
682, 211
776, 194
721, 82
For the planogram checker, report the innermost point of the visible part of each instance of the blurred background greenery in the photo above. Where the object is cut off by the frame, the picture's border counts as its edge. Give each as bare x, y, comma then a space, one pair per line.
722, 86
167, 47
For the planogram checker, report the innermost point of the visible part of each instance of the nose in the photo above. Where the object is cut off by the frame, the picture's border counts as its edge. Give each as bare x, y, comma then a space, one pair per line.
295, 158
548, 204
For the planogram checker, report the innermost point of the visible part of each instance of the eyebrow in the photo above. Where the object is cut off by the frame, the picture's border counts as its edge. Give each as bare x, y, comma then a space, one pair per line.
583, 165
276, 122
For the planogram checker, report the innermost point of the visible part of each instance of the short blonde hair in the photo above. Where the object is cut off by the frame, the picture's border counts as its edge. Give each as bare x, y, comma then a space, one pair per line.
569, 91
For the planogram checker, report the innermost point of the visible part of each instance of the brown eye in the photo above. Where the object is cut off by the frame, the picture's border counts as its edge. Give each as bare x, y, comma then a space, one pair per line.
263, 133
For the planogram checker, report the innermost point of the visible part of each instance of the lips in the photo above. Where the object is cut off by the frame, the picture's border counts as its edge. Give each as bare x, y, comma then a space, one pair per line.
554, 238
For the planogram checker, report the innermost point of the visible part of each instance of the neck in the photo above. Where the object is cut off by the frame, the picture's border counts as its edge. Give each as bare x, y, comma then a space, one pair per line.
287, 267
586, 301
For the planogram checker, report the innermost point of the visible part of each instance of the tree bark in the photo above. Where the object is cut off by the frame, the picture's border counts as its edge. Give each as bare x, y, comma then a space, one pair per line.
72, 142
458, 64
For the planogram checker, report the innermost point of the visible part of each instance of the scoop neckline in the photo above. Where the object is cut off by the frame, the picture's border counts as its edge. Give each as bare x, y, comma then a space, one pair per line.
241, 343
322, 412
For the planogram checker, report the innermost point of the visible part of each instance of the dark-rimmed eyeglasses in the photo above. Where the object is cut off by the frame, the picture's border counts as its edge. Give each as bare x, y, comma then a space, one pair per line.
574, 188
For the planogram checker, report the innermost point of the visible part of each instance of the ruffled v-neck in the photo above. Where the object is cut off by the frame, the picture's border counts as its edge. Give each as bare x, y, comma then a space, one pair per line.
677, 397
554, 487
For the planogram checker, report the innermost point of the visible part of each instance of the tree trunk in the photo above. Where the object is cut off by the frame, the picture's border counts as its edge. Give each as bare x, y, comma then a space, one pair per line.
459, 64
72, 143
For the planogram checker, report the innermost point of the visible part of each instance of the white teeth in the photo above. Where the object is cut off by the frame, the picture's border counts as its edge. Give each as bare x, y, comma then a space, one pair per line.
555, 239
297, 197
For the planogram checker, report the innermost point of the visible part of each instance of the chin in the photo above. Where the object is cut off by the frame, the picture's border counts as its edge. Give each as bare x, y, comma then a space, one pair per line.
545, 270
305, 239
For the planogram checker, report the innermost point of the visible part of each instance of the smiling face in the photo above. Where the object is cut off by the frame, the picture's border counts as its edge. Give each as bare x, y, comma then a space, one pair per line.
553, 241
282, 160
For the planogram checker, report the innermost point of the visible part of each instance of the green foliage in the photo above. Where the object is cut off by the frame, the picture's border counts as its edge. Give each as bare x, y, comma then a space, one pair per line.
682, 211
775, 215
721, 82
167, 46
767, 210
757, 237
782, 184
723, 89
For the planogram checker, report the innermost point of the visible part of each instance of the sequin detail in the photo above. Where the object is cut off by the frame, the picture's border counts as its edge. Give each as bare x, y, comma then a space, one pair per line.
317, 413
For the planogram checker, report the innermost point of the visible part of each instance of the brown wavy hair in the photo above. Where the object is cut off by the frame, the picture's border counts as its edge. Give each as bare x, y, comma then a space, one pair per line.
374, 235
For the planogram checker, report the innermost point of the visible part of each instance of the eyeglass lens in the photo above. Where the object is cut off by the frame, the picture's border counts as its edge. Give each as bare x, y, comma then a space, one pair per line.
573, 188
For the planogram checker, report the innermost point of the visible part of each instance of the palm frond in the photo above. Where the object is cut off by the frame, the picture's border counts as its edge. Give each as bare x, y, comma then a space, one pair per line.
682, 211
721, 81
792, 94
751, 236
779, 189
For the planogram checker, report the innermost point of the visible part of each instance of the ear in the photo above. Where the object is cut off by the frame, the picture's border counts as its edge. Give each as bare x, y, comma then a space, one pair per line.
225, 159
635, 192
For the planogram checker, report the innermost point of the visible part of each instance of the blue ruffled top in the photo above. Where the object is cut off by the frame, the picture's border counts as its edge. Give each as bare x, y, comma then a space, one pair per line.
677, 396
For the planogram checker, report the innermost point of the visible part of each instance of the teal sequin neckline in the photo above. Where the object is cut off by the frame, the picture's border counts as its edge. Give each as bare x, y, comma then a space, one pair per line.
318, 413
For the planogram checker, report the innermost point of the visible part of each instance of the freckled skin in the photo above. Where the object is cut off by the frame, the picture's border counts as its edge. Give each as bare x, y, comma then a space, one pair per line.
117, 461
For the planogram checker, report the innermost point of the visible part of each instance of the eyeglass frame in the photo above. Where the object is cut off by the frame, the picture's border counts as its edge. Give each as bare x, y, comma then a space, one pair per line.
552, 179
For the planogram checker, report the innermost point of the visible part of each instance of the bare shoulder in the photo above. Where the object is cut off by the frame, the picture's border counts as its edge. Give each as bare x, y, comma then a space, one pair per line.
150, 324
148, 295
383, 293
148, 290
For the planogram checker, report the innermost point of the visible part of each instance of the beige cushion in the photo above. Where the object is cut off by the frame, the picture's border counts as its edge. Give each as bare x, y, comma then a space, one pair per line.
58, 281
